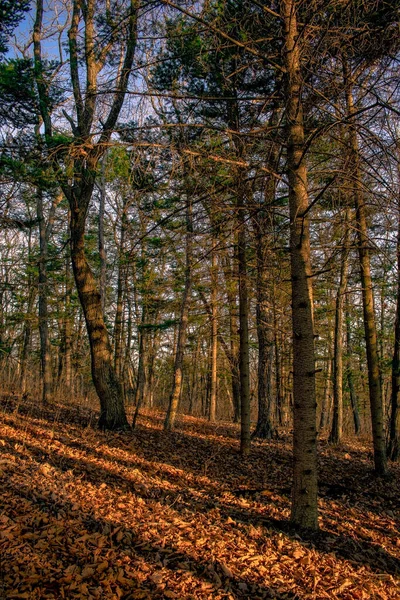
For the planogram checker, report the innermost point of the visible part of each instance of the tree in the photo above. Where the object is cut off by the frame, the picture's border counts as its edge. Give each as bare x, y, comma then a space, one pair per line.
81, 159
304, 494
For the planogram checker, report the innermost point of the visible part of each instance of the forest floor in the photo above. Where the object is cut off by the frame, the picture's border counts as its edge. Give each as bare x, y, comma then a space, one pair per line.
86, 514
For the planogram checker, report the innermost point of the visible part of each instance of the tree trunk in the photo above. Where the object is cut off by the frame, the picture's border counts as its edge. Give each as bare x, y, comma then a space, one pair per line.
265, 333
102, 248
108, 388
393, 446
231, 292
27, 336
337, 420
170, 418
244, 366
326, 400
118, 323
374, 378
214, 335
278, 364
352, 391
45, 358
304, 497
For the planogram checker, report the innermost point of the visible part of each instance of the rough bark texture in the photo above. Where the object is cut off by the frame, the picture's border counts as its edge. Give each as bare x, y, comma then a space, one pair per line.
112, 412
304, 512
265, 332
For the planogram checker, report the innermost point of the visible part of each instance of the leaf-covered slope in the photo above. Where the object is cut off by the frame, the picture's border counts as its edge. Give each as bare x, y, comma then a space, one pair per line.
86, 514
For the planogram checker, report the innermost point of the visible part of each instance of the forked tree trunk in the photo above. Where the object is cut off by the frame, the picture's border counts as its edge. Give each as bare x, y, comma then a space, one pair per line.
84, 163
374, 378
304, 512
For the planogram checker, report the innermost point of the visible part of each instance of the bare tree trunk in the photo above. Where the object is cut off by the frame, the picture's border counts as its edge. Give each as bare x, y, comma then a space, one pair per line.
65, 359
120, 303
337, 420
304, 496
45, 358
265, 333
102, 248
327, 397
27, 337
244, 366
278, 364
183, 322
374, 378
141, 372
393, 445
233, 337
214, 334
353, 396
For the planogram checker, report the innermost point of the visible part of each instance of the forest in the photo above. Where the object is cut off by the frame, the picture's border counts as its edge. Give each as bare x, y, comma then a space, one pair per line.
199, 299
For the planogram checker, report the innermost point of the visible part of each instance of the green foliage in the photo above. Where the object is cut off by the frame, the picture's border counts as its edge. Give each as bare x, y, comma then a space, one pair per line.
11, 13
18, 102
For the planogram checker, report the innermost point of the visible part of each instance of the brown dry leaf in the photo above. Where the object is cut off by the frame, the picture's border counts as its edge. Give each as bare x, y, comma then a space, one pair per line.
140, 513
226, 570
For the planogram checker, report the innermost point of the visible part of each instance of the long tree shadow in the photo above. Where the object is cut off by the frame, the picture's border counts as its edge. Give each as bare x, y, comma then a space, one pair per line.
167, 557
204, 499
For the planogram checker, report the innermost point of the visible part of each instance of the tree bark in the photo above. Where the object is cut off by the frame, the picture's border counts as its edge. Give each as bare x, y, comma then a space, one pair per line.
112, 411
304, 512
265, 331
